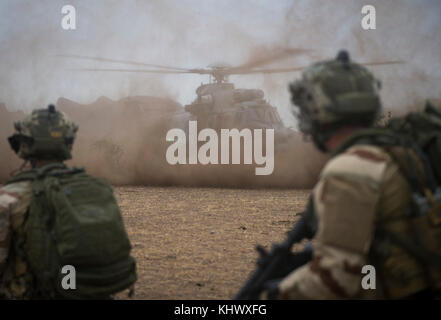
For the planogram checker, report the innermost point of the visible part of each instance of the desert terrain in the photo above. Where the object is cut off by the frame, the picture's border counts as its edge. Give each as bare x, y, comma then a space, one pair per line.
198, 243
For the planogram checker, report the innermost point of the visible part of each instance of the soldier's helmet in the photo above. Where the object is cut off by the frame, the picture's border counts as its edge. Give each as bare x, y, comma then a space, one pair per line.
44, 134
333, 93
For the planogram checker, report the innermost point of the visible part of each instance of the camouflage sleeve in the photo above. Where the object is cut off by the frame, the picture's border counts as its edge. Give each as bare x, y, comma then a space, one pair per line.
345, 200
14, 200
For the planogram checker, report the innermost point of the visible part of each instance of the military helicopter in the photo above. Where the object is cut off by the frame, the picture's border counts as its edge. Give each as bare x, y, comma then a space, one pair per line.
218, 103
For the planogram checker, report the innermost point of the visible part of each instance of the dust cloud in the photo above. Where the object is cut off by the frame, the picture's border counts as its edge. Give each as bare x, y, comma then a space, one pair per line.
123, 117
124, 142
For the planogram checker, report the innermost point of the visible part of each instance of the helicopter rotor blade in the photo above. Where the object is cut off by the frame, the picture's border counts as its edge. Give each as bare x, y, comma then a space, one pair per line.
294, 69
132, 70
244, 72
277, 55
380, 63
119, 61
276, 70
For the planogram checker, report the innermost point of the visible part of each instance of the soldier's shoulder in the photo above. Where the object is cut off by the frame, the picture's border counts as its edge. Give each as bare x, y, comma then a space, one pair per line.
16, 187
365, 162
26, 175
12, 193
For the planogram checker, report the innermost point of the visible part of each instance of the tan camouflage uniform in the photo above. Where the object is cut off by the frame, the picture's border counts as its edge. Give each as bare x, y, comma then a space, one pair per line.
14, 202
355, 189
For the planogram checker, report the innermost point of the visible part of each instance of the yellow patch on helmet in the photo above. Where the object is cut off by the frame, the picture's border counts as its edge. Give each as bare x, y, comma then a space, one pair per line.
56, 134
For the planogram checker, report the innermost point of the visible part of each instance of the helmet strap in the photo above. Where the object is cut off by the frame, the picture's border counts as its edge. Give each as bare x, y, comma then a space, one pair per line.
20, 169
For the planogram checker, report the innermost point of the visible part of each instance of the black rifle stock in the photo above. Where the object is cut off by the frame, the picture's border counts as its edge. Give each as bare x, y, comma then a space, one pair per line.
279, 261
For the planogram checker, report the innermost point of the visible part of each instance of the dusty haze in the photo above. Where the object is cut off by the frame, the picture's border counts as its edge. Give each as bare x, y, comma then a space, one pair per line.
192, 33
124, 142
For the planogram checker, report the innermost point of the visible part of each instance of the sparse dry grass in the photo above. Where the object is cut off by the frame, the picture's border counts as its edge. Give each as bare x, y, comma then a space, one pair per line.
198, 243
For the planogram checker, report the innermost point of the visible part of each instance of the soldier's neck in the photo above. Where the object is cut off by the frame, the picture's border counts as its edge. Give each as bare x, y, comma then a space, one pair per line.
40, 163
336, 139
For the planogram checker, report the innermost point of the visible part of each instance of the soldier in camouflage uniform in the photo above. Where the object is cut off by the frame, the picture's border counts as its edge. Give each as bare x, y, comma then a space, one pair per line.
50, 147
52, 216
357, 188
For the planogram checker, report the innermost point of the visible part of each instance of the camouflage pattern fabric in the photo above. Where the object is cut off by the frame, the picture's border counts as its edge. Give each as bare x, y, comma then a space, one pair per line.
14, 202
356, 189
335, 91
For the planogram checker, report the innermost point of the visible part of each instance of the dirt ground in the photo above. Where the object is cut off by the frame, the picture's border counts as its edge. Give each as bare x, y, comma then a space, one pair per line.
198, 243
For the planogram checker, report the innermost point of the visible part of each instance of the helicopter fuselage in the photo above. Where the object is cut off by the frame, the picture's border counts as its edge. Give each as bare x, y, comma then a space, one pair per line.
220, 105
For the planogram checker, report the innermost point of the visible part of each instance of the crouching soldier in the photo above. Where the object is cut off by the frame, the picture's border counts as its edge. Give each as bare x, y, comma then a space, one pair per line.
377, 202
61, 231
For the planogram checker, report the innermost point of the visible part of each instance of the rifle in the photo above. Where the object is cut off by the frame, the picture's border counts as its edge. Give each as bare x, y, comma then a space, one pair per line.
279, 261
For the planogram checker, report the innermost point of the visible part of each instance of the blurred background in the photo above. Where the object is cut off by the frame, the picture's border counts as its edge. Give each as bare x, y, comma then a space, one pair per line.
195, 34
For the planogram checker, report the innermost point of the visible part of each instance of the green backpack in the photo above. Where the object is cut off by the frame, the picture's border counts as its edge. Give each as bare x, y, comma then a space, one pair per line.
74, 219
424, 128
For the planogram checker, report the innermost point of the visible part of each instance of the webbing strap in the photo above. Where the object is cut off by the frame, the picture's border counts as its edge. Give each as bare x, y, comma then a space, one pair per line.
385, 137
420, 253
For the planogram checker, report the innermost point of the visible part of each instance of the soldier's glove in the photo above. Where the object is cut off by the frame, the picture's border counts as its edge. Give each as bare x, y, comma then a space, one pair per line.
271, 290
